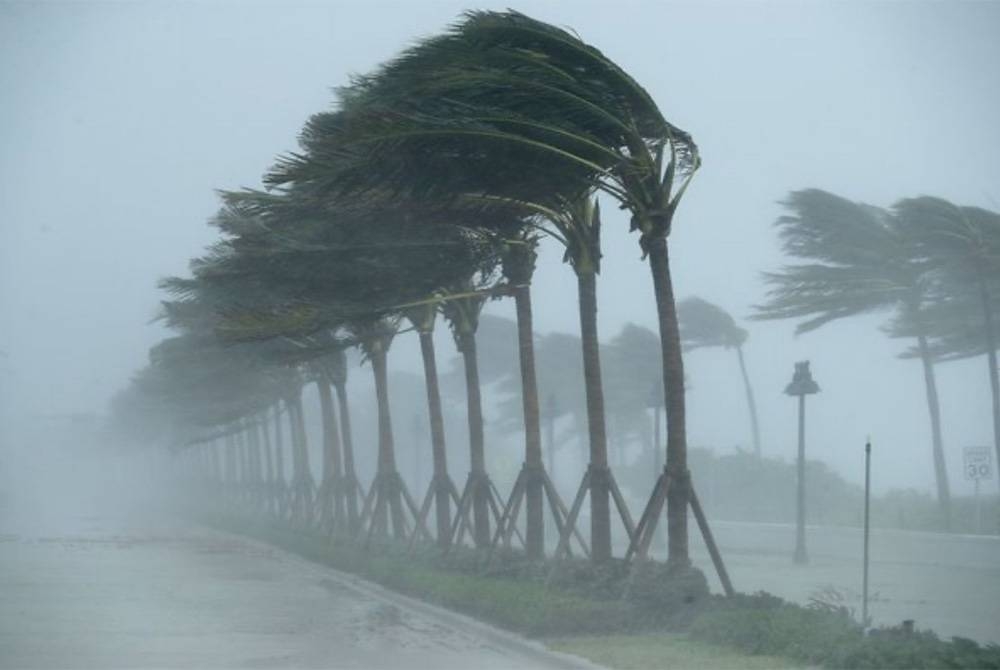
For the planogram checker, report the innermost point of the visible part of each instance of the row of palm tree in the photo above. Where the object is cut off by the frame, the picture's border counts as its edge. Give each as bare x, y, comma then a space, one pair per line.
933, 266
426, 192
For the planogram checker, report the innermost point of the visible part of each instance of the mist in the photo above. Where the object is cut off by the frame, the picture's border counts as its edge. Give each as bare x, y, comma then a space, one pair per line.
122, 122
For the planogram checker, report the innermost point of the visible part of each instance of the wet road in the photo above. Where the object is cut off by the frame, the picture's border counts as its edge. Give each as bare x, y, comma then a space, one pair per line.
108, 594
949, 583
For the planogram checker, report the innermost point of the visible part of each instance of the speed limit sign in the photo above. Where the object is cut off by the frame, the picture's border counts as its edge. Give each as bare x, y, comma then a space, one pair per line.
978, 462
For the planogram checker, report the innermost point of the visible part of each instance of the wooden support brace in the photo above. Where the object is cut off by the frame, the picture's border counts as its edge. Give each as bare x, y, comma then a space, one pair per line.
713, 549
623, 512
574, 512
561, 515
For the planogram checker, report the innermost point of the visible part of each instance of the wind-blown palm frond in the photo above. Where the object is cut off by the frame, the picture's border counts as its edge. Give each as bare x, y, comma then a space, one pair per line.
859, 262
706, 325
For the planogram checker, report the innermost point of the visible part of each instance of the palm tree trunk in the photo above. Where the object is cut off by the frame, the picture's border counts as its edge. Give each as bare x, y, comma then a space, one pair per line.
600, 507
300, 445
279, 461
332, 503
535, 536
477, 455
439, 454
230, 463
751, 404
387, 475
991, 359
293, 442
347, 443
268, 485
243, 452
673, 388
216, 466
937, 448
253, 442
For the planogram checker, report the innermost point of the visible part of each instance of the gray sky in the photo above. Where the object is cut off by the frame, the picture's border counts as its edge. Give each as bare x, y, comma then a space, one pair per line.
117, 121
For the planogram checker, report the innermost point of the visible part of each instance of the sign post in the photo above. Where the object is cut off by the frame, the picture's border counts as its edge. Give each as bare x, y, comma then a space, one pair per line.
868, 487
978, 464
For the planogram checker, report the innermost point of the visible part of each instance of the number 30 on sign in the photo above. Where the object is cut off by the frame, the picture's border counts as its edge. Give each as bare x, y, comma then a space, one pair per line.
978, 462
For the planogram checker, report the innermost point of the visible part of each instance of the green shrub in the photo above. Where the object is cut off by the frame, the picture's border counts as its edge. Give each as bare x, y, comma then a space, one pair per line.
575, 597
764, 624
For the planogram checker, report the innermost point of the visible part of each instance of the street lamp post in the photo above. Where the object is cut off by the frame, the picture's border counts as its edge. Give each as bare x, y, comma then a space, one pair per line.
802, 384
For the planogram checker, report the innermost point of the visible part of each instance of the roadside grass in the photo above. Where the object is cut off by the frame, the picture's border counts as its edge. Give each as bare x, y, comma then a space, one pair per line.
673, 651
523, 606
640, 616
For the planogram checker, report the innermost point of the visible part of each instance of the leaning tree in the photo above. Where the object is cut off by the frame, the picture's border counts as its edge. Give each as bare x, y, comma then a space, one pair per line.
509, 107
855, 259
962, 246
706, 325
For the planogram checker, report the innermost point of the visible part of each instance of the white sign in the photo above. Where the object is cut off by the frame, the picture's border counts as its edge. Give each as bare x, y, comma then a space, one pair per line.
978, 462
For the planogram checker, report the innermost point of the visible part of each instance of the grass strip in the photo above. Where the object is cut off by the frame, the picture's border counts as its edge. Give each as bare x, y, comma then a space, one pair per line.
673, 651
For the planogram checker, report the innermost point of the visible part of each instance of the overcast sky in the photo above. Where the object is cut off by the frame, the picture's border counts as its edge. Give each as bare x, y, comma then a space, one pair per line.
117, 121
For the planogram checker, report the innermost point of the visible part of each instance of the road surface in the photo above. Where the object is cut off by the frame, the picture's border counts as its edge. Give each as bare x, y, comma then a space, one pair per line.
949, 583
112, 594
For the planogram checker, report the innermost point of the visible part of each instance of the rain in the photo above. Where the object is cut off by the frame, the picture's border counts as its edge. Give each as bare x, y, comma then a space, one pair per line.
446, 335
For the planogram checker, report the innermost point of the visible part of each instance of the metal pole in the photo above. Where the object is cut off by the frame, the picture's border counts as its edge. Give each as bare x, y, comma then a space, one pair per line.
868, 482
979, 508
801, 557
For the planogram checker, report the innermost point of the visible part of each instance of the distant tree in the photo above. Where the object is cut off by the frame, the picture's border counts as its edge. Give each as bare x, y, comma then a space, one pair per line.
962, 247
706, 325
855, 259
633, 377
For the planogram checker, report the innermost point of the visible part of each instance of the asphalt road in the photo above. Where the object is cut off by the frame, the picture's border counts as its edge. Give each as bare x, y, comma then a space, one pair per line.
110, 594
949, 583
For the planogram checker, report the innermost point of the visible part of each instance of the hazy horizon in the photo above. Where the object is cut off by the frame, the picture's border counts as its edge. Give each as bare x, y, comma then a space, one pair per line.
122, 119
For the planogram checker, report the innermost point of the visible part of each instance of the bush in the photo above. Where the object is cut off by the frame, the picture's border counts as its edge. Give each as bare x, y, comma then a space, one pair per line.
575, 597
764, 624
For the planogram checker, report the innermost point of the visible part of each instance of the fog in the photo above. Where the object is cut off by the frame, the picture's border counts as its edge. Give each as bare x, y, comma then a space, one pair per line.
119, 121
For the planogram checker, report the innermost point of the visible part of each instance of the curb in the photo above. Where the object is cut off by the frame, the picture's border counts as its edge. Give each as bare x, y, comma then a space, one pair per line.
501, 638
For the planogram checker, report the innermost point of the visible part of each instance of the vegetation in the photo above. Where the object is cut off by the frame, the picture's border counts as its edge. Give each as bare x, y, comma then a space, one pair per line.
741, 487
443, 166
830, 637
630, 619
649, 651
507, 589
425, 192
918, 261
706, 325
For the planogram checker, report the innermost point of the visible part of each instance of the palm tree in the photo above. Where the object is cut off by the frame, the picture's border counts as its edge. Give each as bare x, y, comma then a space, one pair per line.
962, 246
856, 259
332, 494
336, 369
580, 229
441, 490
511, 107
359, 261
201, 385
633, 372
706, 325
462, 313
